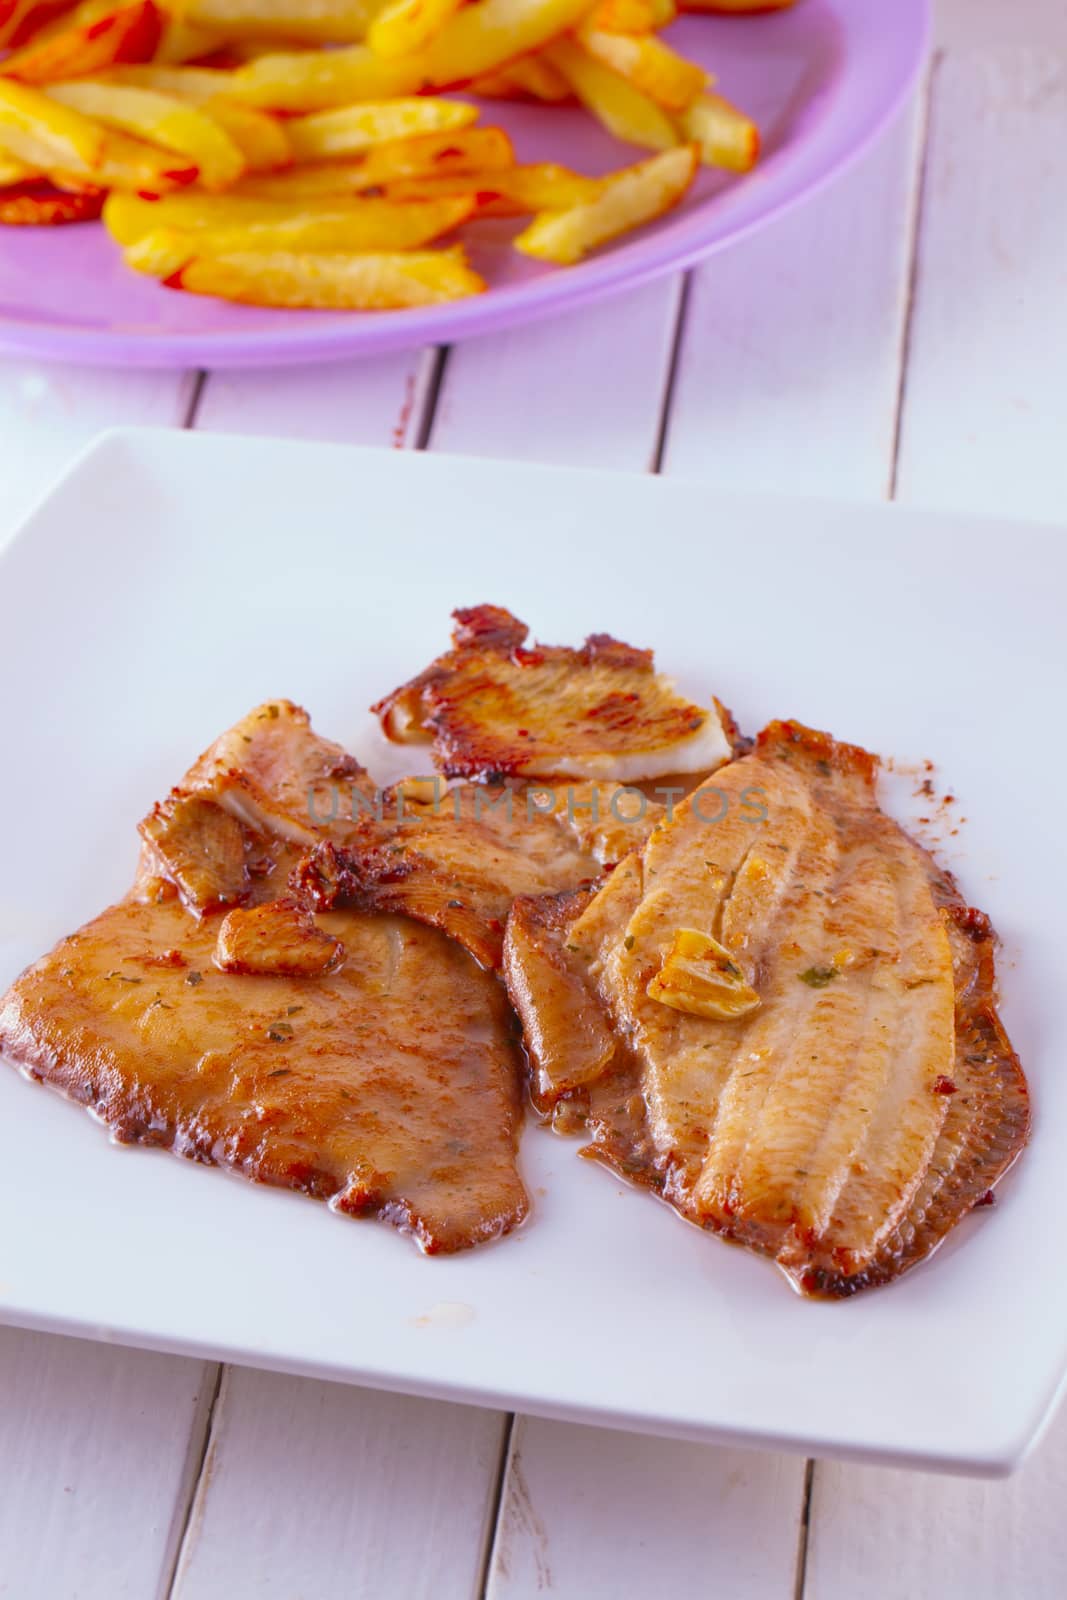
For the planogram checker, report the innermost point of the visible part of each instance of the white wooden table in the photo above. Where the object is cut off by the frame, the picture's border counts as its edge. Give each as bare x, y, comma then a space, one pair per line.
905, 335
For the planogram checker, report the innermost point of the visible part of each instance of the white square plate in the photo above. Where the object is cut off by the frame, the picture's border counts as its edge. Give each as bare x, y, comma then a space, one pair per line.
173, 580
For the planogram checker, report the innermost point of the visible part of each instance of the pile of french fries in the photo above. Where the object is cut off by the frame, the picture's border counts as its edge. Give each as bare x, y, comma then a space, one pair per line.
301, 153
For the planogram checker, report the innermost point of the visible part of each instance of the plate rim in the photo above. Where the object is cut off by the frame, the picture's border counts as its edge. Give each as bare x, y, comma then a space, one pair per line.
1007, 1446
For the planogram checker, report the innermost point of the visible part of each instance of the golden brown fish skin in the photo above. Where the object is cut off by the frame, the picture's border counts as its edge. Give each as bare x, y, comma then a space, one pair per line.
496, 708
362, 1059
389, 1086
456, 865
714, 1121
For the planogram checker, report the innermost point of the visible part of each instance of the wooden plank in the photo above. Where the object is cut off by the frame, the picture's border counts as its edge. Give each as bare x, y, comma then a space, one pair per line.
374, 402
592, 1513
972, 24
48, 413
97, 1444
789, 370
313, 1488
986, 407
940, 1536
581, 390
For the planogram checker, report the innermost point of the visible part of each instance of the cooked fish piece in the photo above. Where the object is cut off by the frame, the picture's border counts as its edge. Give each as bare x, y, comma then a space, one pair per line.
456, 863
497, 708
266, 783
780, 1015
387, 1086
361, 1058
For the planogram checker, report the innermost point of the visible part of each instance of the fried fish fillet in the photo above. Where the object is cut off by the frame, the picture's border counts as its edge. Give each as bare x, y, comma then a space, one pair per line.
459, 860
360, 1058
497, 708
780, 1015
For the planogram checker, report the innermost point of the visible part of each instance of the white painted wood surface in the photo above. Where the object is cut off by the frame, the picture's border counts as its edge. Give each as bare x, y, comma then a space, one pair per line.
100, 1448
986, 414
596, 1514
313, 1488
792, 359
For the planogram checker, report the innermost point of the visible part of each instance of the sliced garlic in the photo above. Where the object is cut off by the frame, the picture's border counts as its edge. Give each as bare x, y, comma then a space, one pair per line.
701, 977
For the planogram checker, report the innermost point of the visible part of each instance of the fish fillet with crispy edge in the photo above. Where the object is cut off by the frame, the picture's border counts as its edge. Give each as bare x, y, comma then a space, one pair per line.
495, 708
459, 860
868, 1099
360, 1058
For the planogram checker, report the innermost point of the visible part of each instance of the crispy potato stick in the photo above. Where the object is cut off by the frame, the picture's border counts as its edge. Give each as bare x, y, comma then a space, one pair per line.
529, 78
130, 33
472, 150
260, 137
378, 282
647, 63
128, 217
342, 225
22, 19
542, 186
346, 132
726, 137
130, 164
623, 109
14, 171
632, 16
305, 21
318, 79
160, 119
262, 140
489, 33
405, 25
36, 203
182, 41
196, 84
45, 134
626, 200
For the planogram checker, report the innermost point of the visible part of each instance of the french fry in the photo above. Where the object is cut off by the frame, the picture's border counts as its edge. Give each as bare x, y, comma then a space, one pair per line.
129, 33
130, 164
43, 133
196, 84
22, 19
36, 203
14, 171
160, 119
627, 199
403, 26
128, 217
306, 21
623, 109
471, 150
632, 16
650, 65
543, 186
183, 41
726, 137
261, 139
489, 33
356, 225
333, 282
318, 79
351, 129
529, 78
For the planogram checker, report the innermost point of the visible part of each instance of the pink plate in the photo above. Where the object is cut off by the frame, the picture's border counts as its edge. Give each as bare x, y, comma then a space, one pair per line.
822, 80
